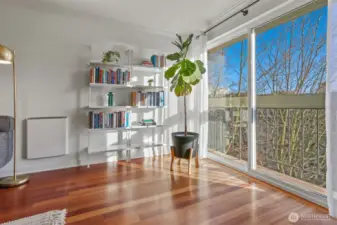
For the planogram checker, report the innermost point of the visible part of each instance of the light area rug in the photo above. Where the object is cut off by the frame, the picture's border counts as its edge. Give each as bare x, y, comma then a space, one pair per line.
56, 217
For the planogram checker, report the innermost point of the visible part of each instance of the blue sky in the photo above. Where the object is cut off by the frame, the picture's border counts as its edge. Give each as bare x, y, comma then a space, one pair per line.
231, 54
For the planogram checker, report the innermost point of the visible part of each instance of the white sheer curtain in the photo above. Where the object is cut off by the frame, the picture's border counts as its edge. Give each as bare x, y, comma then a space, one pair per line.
331, 109
197, 102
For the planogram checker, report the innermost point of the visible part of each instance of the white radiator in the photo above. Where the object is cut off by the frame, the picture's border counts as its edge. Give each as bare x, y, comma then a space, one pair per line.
47, 137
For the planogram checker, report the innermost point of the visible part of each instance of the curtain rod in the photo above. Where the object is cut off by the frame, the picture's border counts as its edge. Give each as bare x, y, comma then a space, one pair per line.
244, 11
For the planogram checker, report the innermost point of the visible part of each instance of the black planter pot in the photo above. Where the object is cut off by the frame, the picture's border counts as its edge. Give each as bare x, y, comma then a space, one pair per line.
182, 143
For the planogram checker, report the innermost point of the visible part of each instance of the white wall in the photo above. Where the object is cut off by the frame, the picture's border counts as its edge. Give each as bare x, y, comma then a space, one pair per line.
52, 55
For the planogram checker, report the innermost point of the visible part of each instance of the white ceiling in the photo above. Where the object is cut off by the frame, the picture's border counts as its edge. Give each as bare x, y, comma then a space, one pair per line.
171, 16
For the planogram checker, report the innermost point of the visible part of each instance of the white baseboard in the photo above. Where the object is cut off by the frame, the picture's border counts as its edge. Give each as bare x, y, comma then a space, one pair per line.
73, 162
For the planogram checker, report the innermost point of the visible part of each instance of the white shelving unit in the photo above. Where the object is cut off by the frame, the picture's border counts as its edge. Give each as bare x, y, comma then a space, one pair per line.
118, 108
135, 84
127, 86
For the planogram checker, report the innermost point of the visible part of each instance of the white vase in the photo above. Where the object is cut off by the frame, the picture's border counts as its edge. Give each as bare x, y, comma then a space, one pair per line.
104, 100
114, 59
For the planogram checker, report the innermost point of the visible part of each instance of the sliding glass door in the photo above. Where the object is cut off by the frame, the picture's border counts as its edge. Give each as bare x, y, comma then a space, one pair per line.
228, 115
290, 88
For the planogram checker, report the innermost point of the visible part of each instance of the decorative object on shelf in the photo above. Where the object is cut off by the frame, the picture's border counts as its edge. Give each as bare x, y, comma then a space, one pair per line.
148, 122
158, 61
147, 63
150, 82
111, 57
106, 99
184, 74
111, 99
7, 56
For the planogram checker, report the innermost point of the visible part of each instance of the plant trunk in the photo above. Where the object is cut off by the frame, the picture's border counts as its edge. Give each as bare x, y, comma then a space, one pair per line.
185, 115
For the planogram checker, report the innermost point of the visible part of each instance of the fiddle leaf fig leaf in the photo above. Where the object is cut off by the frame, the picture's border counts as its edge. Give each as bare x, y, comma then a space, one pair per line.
179, 88
188, 41
187, 89
174, 82
178, 45
174, 56
200, 66
195, 77
172, 71
179, 38
175, 78
186, 79
195, 82
187, 67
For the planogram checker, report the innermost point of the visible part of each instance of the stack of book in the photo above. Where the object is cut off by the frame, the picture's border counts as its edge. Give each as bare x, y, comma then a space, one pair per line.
147, 98
147, 63
100, 120
158, 61
108, 76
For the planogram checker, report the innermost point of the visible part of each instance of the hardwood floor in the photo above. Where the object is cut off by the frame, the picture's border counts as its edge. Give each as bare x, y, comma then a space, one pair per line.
145, 191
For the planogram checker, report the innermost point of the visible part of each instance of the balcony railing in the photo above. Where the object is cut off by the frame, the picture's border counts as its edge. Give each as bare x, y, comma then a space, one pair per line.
227, 131
291, 141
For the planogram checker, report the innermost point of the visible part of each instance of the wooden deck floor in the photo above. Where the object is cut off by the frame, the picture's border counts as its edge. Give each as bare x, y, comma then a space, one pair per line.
146, 192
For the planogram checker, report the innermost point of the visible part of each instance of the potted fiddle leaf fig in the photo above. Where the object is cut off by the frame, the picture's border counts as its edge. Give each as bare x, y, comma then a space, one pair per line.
183, 75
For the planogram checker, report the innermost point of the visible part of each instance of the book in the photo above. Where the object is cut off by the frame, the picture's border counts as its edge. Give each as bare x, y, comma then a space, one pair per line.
163, 61
153, 99
138, 98
127, 119
92, 75
91, 120
123, 119
142, 99
104, 76
99, 120
162, 98
100, 76
153, 60
109, 76
97, 75
115, 120
158, 61
96, 120
157, 98
118, 76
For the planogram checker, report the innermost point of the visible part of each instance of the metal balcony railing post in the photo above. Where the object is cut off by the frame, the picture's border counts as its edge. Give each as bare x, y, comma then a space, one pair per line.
317, 140
267, 125
289, 136
302, 138
240, 133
